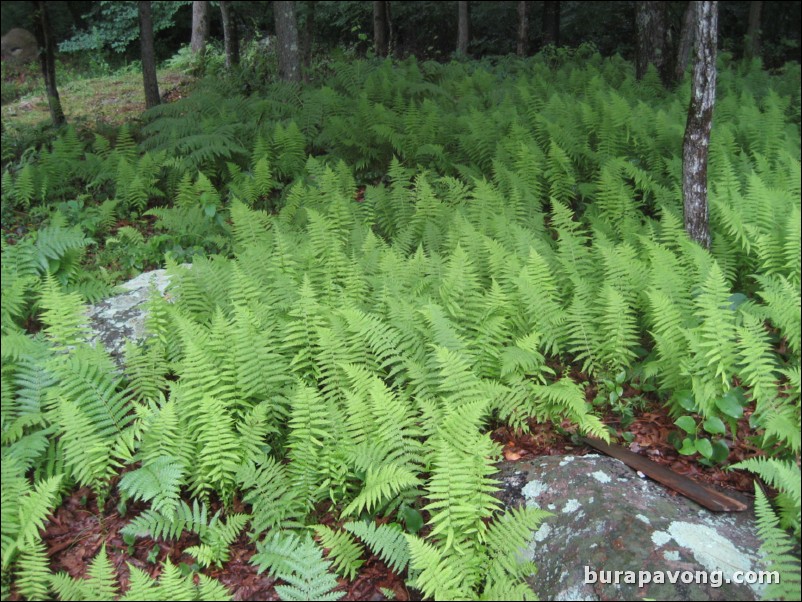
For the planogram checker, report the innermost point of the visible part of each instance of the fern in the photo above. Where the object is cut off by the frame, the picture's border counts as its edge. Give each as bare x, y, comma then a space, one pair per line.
778, 549
783, 476
386, 541
101, 583
344, 552
300, 564
158, 482
267, 486
33, 572
216, 539
566, 396
459, 489
380, 486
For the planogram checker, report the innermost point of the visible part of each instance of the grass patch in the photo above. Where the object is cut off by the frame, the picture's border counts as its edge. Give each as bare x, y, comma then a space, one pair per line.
112, 99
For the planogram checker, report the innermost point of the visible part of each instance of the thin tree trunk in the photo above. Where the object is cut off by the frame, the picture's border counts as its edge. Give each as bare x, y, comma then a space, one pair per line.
685, 41
200, 26
700, 119
753, 32
551, 22
309, 33
650, 18
390, 31
523, 28
380, 27
148, 55
230, 35
289, 56
463, 28
47, 61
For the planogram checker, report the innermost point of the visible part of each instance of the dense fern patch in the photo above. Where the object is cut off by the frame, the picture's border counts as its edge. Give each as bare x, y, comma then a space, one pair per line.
404, 255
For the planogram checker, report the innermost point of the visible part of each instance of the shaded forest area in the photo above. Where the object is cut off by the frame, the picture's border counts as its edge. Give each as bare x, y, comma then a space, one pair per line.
406, 241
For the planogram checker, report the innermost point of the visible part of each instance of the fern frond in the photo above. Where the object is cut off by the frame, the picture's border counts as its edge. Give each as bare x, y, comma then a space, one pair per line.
381, 485
778, 549
386, 541
566, 396
300, 564
158, 481
438, 577
344, 552
33, 572
267, 486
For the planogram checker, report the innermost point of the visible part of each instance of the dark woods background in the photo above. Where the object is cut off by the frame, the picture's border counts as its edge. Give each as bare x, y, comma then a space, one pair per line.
424, 29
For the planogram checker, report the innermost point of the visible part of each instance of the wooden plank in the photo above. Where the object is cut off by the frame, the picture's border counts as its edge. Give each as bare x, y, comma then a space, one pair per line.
708, 497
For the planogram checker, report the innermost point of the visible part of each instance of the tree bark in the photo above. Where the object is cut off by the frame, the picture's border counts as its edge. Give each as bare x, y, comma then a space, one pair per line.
551, 22
463, 28
522, 46
650, 18
47, 61
289, 58
685, 41
309, 33
753, 32
148, 55
230, 35
200, 26
700, 119
380, 27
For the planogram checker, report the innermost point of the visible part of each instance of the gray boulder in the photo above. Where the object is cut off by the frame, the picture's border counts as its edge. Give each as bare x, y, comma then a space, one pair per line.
117, 319
19, 46
607, 518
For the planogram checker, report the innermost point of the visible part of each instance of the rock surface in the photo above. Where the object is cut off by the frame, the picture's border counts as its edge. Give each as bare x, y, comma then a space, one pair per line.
19, 46
607, 518
117, 319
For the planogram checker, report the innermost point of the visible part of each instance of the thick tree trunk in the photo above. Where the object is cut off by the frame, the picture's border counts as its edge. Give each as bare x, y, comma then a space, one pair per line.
463, 28
700, 119
522, 46
47, 61
650, 19
685, 41
200, 26
289, 55
309, 33
148, 55
753, 32
230, 34
380, 27
551, 22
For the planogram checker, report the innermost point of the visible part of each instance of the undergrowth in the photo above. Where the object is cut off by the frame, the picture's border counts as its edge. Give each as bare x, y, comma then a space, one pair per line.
383, 265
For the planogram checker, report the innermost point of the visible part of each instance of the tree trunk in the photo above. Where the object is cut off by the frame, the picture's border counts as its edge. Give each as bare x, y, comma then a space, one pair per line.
390, 31
200, 26
380, 27
463, 28
309, 33
650, 18
148, 55
685, 41
753, 32
289, 57
47, 61
523, 28
230, 35
700, 119
551, 22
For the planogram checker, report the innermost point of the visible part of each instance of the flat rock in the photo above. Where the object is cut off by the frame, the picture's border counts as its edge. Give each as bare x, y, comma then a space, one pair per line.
120, 318
607, 518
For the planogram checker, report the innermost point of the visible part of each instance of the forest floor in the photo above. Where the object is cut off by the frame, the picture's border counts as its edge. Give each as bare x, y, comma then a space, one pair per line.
78, 529
90, 102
